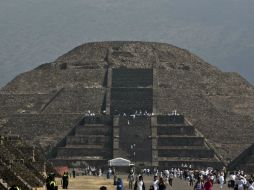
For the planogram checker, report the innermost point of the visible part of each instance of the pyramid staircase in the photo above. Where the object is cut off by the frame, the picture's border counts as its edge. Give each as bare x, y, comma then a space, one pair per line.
89, 144
132, 139
148, 141
179, 143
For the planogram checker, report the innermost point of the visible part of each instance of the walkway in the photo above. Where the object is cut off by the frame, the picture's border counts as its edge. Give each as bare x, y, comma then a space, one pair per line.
94, 183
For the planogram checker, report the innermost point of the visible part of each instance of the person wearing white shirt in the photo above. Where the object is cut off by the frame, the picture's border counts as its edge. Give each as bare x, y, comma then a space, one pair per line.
240, 182
221, 180
232, 179
139, 184
251, 187
155, 183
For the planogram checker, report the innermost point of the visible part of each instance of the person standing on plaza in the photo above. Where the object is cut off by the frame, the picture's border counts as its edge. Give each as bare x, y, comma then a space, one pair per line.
208, 184
221, 180
119, 184
162, 185
155, 182
139, 184
131, 179
199, 185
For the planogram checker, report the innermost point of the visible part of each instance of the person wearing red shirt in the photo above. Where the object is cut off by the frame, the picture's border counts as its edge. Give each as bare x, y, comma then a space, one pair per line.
208, 184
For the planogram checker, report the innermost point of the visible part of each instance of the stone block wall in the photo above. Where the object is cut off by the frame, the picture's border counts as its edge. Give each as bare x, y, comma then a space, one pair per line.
83, 152
170, 119
176, 130
17, 166
22, 103
97, 120
129, 100
77, 100
180, 141
185, 152
209, 120
91, 143
52, 79
93, 130
45, 129
132, 78
88, 140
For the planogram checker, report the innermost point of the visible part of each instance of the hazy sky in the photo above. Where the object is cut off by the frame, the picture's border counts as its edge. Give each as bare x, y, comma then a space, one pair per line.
33, 32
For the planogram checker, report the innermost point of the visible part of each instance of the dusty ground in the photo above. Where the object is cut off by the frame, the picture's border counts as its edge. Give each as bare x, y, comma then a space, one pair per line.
93, 183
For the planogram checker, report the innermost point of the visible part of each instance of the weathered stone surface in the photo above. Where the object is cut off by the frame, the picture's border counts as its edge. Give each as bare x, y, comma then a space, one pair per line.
219, 104
22, 164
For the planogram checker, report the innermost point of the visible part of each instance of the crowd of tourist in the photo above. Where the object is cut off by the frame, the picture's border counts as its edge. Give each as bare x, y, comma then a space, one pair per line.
137, 113
196, 179
203, 179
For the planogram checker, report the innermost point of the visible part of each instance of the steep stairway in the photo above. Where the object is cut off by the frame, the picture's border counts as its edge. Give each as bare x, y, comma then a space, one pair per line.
89, 144
179, 144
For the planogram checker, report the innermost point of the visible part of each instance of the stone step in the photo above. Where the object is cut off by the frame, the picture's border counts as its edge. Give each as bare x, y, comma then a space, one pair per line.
131, 77
94, 126
63, 151
191, 153
176, 130
170, 119
102, 130
89, 140
127, 100
187, 159
92, 136
167, 140
84, 146
80, 158
179, 136
203, 147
